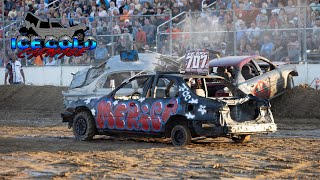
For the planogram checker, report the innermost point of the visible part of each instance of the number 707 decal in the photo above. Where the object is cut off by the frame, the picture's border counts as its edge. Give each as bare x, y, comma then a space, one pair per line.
197, 61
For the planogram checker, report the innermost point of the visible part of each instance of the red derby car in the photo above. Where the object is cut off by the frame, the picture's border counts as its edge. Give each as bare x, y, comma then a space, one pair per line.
255, 74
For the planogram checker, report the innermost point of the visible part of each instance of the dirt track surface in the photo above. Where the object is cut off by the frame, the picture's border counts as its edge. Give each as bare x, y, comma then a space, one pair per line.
35, 144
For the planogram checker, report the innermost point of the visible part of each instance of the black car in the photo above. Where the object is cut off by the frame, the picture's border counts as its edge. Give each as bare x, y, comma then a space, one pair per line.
172, 105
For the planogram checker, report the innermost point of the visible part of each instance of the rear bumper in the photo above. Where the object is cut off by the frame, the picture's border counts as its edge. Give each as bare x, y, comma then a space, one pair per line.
252, 128
67, 116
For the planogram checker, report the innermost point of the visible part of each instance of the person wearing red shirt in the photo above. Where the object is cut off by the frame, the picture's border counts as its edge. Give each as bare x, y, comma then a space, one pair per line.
141, 38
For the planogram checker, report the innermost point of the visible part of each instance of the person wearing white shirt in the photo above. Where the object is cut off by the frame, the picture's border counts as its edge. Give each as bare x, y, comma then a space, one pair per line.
15, 71
102, 12
112, 7
51, 62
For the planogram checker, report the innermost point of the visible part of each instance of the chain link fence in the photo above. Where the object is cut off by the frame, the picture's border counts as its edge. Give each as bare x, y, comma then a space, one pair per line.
113, 34
287, 34
291, 34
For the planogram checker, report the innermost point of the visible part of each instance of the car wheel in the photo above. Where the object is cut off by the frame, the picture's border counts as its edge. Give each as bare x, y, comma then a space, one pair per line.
180, 135
290, 82
23, 31
241, 139
80, 35
84, 126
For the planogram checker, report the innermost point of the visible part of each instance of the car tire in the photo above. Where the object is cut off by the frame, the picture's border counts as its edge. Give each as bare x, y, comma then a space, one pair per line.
83, 126
241, 139
290, 82
180, 135
79, 35
23, 31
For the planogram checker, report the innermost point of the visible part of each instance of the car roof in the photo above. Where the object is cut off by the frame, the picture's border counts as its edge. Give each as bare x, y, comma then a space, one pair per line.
181, 75
236, 61
146, 61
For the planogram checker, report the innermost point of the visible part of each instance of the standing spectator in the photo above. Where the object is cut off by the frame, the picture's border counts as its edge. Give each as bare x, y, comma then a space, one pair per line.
141, 39
279, 50
101, 52
241, 30
316, 33
126, 40
291, 10
51, 61
253, 31
255, 45
176, 32
267, 47
15, 72
150, 31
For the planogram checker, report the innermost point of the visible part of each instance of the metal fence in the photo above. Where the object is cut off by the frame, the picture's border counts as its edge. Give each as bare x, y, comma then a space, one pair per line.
108, 31
288, 34
274, 33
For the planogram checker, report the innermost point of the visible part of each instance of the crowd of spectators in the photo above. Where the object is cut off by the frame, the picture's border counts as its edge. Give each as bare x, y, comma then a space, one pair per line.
235, 27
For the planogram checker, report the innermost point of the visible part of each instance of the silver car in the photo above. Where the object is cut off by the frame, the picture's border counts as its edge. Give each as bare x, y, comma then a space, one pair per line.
93, 82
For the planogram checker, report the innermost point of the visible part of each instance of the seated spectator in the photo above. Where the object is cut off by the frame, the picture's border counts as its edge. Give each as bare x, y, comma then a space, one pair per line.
262, 19
127, 24
315, 5
12, 13
113, 8
274, 22
102, 11
267, 47
242, 48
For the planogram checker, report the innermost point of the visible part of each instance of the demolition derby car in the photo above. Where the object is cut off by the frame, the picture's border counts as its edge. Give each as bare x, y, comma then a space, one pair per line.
175, 105
255, 74
97, 81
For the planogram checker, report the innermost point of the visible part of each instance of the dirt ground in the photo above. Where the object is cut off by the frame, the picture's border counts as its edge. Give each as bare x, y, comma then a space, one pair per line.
34, 143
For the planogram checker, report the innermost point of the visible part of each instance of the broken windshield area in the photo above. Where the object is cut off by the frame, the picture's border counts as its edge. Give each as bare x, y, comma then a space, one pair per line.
86, 76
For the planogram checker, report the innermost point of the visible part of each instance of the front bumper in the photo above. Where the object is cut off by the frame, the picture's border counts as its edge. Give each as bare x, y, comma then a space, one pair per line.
67, 116
252, 128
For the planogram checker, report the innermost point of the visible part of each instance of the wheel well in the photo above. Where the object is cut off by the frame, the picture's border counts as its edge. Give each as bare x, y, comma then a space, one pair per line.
77, 31
82, 108
175, 120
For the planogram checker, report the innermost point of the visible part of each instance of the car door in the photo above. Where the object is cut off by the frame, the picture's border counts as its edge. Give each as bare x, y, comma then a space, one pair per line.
44, 29
58, 29
161, 102
276, 79
109, 82
129, 107
256, 82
